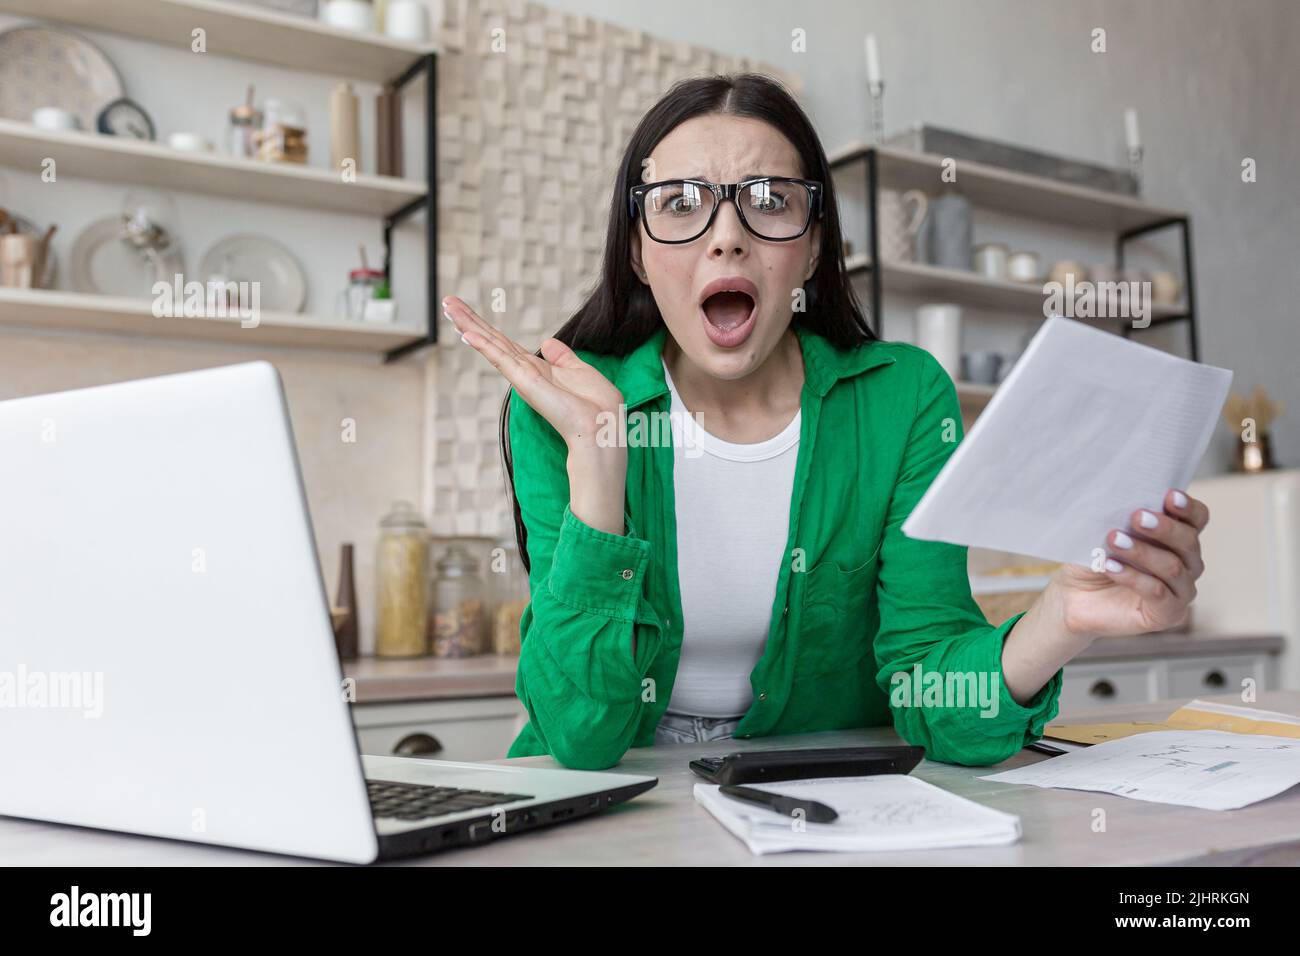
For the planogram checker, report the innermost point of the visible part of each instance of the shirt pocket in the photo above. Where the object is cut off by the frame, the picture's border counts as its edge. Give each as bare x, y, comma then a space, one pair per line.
834, 631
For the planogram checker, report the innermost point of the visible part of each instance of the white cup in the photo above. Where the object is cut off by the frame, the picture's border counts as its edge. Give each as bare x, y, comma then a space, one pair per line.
349, 14
991, 260
189, 142
1024, 267
407, 20
938, 331
55, 117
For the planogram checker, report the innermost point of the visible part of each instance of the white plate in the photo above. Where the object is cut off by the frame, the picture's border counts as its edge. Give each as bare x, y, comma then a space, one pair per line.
248, 257
102, 264
44, 66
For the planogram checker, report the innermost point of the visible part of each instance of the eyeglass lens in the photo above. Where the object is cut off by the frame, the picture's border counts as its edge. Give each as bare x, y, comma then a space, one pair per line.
679, 211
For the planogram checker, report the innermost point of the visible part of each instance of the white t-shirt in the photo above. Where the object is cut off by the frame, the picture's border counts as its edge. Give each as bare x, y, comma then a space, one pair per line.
733, 515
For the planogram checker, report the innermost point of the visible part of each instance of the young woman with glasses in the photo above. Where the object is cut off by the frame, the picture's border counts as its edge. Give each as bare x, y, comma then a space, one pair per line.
743, 572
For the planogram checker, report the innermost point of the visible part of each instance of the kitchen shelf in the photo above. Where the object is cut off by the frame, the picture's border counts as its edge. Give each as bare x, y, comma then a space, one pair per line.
235, 30
120, 159
37, 309
1021, 194
267, 36
971, 288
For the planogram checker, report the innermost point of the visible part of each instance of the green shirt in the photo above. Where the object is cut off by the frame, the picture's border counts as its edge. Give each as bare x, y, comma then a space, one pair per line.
856, 602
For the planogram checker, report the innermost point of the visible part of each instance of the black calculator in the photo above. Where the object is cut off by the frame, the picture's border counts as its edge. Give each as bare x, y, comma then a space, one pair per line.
757, 766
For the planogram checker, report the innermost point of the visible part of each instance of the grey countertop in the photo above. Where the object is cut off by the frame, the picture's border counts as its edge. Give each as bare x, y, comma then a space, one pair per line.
388, 680
665, 826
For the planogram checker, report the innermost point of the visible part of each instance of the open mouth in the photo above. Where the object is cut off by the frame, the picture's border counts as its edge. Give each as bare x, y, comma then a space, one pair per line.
729, 315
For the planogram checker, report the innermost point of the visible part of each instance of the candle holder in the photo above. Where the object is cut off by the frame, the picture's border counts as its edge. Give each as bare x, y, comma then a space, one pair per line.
1135, 166
877, 91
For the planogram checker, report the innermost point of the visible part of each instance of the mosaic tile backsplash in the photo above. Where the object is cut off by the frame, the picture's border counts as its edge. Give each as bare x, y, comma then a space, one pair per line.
535, 107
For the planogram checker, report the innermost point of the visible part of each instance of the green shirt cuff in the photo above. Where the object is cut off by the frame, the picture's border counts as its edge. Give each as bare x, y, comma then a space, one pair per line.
1042, 707
596, 571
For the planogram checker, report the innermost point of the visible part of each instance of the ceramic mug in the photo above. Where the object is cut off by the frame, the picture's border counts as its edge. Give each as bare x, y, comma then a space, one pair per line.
55, 118
406, 20
991, 260
948, 231
938, 331
189, 142
21, 261
1024, 267
356, 15
982, 366
898, 226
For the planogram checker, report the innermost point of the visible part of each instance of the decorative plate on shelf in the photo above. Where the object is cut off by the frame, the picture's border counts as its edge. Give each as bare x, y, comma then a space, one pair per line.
248, 257
104, 264
47, 66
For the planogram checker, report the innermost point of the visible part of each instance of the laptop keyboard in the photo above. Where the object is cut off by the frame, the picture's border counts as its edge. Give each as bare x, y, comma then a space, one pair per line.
413, 801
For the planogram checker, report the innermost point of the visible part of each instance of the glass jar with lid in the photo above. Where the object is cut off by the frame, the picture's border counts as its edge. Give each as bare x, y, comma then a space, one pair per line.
283, 138
401, 569
458, 617
508, 587
363, 286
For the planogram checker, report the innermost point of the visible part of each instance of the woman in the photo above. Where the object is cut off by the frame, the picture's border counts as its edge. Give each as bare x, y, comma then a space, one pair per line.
746, 575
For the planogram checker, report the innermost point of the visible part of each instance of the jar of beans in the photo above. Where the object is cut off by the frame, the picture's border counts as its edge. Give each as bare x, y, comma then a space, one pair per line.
458, 616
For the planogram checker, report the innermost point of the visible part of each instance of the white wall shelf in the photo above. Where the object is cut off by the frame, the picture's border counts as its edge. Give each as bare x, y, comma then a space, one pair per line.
973, 289
120, 159
1004, 190
235, 30
37, 309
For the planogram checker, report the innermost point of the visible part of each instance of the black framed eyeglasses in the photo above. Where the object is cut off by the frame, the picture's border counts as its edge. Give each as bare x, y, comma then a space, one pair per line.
775, 208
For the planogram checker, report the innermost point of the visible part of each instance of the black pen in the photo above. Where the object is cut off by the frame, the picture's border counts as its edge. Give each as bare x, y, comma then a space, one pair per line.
786, 806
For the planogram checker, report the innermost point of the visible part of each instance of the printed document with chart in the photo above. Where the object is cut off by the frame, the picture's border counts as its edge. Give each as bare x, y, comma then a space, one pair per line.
1088, 427
1210, 769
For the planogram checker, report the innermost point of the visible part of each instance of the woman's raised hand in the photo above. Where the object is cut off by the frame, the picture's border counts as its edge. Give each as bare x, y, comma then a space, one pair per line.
570, 394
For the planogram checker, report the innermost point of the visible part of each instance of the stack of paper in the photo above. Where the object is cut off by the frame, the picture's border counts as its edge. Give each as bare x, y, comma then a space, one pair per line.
1087, 428
886, 812
1209, 769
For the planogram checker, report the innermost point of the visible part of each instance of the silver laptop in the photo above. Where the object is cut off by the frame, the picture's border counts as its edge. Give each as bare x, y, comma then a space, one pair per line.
167, 661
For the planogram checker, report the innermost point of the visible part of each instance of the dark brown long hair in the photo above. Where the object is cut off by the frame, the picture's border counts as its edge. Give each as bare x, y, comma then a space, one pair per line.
620, 313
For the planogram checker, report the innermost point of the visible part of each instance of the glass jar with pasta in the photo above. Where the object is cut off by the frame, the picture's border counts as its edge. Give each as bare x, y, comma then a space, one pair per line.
400, 573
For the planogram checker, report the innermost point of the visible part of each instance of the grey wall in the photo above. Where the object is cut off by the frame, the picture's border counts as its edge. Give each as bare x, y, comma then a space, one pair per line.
1213, 82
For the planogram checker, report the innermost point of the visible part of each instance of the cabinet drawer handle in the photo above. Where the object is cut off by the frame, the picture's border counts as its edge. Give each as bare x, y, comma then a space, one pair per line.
1103, 688
417, 745
1215, 679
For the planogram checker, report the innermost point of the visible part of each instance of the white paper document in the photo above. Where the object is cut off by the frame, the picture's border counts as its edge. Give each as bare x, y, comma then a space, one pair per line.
1087, 428
885, 812
1209, 769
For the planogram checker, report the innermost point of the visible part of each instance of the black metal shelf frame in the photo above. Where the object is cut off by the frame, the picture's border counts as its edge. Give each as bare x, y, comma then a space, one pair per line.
428, 65
1183, 223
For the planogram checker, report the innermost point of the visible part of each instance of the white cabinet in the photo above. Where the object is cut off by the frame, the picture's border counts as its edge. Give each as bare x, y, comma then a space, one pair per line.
469, 729
1124, 682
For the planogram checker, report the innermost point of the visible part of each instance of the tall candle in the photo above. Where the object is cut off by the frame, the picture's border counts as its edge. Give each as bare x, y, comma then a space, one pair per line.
1131, 129
873, 60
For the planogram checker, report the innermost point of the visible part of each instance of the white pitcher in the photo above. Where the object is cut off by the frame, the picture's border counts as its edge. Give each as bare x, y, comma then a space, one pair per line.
899, 224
